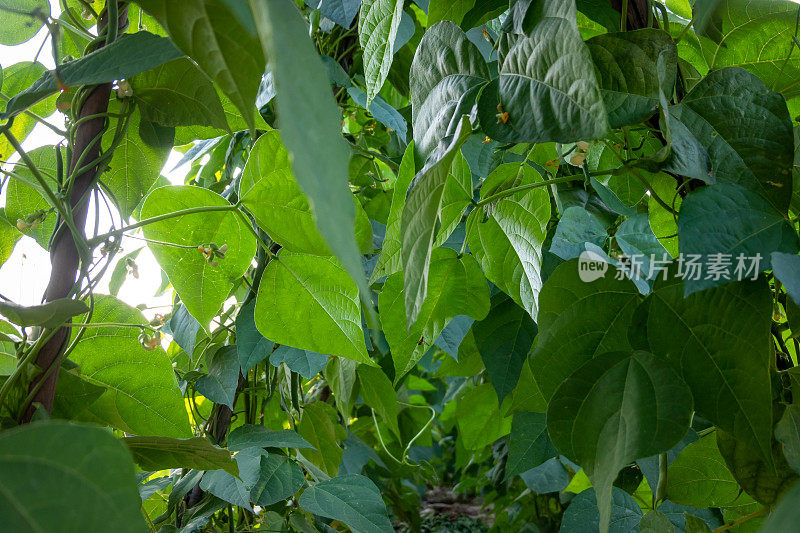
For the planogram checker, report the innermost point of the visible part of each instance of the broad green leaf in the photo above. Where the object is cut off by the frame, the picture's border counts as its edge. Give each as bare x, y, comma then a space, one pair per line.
219, 385
320, 427
381, 111
507, 238
224, 486
576, 227
310, 126
269, 191
699, 477
720, 341
446, 74
161, 453
184, 329
249, 435
656, 522
528, 445
73, 394
48, 315
22, 20
626, 68
452, 10
309, 302
637, 241
342, 12
26, 198
340, 375
751, 228
582, 516
209, 33
757, 36
578, 321
548, 87
202, 286
352, 499
528, 395
504, 339
135, 165
378, 393
306, 363
390, 260
786, 514
8, 238
251, 345
419, 220
456, 286
746, 130
15, 79
59, 476
761, 481
453, 334
378, 22
143, 397
129, 55
662, 222
787, 270
279, 478
456, 197
616, 408
178, 94
787, 432
479, 419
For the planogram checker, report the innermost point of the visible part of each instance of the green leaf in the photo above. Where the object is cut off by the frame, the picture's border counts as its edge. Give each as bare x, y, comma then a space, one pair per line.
420, 214
626, 69
320, 427
129, 55
48, 315
340, 374
593, 420
720, 341
184, 329
26, 198
310, 126
786, 514
8, 238
765, 483
787, 270
576, 227
758, 37
787, 432
135, 165
202, 286
381, 111
456, 286
178, 94
203, 30
507, 239
73, 395
15, 79
219, 385
456, 197
582, 515
59, 476
662, 222
750, 228
479, 420
279, 478
306, 363
378, 393
453, 10
528, 445
579, 320
548, 87
378, 22
352, 499
636, 240
143, 397
504, 339
446, 74
22, 20
161, 453
699, 478
656, 522
249, 435
755, 152
269, 191
309, 302
251, 345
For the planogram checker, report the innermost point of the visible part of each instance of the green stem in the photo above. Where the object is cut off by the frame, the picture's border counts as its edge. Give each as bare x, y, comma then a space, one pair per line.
529, 186
166, 216
113, 15
661, 487
743, 519
623, 19
249, 226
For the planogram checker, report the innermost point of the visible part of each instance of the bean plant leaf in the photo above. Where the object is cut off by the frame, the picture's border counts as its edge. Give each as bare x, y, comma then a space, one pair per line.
22, 20
251, 345
548, 87
528, 445
320, 158
787, 432
351, 499
48, 315
379, 394
320, 427
219, 385
202, 29
507, 240
787, 270
699, 477
592, 422
582, 513
306, 363
161, 453
250, 435
25, 197
202, 283
378, 22
279, 478
67, 477
143, 397
479, 419
309, 302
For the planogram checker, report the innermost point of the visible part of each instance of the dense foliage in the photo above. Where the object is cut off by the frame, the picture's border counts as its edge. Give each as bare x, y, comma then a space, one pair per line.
445, 265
